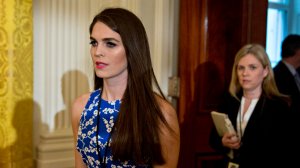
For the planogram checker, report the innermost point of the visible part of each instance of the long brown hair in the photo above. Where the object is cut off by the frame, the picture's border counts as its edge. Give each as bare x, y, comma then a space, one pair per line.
136, 133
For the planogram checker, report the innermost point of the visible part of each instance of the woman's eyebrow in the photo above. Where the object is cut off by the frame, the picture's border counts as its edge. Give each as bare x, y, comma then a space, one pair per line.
110, 39
92, 38
105, 39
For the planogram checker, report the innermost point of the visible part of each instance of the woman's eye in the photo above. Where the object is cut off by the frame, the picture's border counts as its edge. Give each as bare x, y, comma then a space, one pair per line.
240, 68
110, 44
93, 43
252, 67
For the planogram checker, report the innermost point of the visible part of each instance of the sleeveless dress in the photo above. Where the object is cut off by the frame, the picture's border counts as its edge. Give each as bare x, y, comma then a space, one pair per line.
87, 133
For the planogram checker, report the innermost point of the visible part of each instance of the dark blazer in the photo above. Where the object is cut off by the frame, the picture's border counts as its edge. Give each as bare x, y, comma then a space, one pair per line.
286, 85
264, 143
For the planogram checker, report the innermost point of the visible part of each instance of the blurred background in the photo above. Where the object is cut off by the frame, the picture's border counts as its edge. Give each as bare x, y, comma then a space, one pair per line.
45, 63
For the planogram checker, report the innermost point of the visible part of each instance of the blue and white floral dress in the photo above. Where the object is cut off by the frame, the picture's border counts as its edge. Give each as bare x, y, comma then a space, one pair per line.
87, 133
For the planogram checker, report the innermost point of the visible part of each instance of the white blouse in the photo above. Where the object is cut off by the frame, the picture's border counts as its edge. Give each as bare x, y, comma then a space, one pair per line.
243, 120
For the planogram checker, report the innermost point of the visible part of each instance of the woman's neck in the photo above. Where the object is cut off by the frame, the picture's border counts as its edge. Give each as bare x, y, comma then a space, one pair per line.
113, 90
252, 94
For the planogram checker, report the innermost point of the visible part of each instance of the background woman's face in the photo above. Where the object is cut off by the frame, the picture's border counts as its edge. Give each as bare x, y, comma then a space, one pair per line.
251, 73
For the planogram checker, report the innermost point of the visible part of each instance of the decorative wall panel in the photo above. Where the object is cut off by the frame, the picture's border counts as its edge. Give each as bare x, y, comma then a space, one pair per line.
16, 84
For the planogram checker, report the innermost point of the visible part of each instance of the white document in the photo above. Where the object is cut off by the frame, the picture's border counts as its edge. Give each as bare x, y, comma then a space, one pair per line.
222, 123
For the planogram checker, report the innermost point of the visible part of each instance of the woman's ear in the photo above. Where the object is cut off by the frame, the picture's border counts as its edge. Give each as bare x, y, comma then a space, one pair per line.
266, 71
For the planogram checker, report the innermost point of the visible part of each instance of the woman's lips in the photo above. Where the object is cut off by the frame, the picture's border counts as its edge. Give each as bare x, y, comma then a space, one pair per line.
100, 65
246, 81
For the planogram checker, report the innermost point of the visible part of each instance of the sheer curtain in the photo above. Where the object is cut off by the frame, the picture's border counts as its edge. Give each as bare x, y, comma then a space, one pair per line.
276, 31
283, 19
277, 28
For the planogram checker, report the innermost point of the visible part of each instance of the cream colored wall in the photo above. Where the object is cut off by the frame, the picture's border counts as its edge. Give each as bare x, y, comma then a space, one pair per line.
161, 20
62, 67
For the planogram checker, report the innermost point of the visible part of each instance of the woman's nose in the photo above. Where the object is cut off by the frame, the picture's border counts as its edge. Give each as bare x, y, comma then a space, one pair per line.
99, 51
245, 72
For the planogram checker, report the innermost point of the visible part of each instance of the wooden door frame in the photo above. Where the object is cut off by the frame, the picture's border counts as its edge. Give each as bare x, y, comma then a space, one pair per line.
195, 48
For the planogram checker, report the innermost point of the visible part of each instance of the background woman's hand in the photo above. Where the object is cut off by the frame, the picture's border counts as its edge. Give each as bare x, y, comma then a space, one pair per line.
231, 140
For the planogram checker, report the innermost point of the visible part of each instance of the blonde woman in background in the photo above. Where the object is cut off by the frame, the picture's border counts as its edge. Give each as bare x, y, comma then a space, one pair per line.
259, 113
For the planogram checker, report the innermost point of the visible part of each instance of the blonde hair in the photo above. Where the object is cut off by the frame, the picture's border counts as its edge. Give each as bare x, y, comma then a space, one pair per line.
269, 87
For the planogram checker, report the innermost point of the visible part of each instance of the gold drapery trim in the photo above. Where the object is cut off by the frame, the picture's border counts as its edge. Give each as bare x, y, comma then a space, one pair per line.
16, 84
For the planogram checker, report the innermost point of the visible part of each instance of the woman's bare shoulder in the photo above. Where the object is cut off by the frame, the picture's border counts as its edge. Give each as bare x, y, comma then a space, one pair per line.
81, 100
167, 108
169, 139
79, 104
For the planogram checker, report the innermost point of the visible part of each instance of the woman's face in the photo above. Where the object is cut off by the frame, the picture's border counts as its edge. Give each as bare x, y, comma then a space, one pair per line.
108, 53
251, 73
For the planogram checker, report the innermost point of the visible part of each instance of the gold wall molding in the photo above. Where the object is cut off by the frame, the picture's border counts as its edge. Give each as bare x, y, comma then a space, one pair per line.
16, 84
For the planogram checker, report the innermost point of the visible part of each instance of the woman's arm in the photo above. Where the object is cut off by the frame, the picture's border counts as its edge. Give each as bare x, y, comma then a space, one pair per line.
170, 140
77, 109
